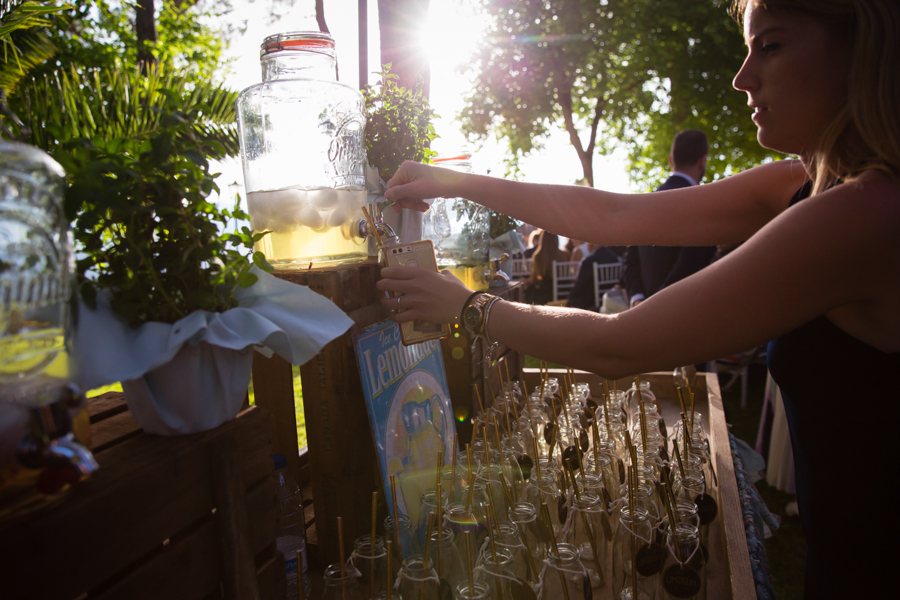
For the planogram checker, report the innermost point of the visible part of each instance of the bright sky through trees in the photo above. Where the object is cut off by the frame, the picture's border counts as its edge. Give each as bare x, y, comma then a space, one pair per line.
449, 39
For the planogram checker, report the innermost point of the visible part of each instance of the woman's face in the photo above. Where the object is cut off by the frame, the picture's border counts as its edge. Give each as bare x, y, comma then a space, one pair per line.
795, 75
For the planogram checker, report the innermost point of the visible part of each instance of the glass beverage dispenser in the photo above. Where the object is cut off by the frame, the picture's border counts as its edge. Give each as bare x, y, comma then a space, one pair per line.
303, 154
460, 230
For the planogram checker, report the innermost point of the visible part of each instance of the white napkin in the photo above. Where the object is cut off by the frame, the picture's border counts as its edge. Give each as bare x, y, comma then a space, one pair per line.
292, 320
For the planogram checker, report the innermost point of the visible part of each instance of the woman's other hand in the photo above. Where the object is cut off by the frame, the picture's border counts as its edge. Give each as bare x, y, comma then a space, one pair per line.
425, 295
413, 183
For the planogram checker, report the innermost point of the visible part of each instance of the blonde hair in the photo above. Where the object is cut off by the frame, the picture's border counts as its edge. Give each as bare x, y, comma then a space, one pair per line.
865, 134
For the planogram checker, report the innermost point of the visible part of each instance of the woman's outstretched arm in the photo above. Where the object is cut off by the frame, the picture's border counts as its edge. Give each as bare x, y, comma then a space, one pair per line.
803, 264
726, 211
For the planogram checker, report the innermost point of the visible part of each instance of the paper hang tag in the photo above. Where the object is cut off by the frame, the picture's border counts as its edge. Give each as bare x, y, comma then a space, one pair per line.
583, 441
588, 589
621, 471
519, 590
650, 559
607, 499
681, 582
445, 591
548, 431
571, 457
541, 531
707, 509
525, 465
562, 511
604, 522
699, 559
662, 430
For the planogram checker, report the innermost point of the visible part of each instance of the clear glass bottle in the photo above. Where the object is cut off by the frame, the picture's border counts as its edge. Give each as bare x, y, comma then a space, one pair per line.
341, 584
495, 569
460, 230
445, 557
523, 566
303, 154
418, 579
369, 558
684, 573
634, 537
588, 529
429, 504
565, 576
405, 542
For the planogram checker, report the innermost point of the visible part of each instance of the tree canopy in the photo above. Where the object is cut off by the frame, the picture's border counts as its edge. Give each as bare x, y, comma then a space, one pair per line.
613, 73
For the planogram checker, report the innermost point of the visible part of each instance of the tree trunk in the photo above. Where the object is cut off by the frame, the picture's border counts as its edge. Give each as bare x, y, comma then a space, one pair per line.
145, 29
399, 23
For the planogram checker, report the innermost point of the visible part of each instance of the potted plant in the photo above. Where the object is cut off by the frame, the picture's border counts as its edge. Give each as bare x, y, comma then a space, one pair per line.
174, 298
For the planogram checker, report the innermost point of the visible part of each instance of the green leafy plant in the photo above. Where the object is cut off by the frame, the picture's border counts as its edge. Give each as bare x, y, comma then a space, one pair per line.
398, 125
146, 232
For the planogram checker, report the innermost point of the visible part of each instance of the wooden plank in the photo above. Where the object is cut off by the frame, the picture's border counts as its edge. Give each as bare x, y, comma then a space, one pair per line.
114, 430
738, 553
238, 575
147, 490
106, 405
184, 568
273, 389
271, 578
262, 509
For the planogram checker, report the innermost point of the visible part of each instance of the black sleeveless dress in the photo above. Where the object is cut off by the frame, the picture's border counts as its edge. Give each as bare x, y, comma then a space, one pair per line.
842, 403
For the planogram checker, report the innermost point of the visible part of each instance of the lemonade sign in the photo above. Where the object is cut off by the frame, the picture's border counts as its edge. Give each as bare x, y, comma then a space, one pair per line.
409, 409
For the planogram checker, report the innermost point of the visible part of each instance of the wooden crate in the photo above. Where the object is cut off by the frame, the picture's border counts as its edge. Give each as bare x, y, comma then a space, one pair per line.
186, 517
341, 464
729, 572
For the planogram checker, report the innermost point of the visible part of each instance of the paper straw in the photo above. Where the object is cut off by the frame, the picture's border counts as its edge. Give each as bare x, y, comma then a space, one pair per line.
453, 467
372, 563
396, 514
545, 513
642, 415
471, 491
680, 398
340, 528
469, 563
374, 229
680, 463
388, 575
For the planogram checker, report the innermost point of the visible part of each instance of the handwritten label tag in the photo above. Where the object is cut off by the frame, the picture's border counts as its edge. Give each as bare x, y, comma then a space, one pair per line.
519, 590
650, 559
445, 592
681, 582
707, 509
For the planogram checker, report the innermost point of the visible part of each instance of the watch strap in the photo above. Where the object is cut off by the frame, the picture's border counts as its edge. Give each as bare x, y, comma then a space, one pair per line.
465, 305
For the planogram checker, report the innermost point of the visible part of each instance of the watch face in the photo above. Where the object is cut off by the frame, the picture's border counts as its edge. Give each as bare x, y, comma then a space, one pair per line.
471, 317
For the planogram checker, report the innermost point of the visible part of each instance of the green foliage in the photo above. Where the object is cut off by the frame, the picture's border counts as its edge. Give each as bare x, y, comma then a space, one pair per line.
398, 125
24, 45
612, 73
100, 33
119, 102
145, 229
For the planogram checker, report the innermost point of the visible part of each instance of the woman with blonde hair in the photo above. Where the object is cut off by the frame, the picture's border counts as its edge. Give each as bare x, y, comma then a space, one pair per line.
817, 274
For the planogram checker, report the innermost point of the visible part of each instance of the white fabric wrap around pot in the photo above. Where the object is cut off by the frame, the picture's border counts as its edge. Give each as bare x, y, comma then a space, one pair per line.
192, 375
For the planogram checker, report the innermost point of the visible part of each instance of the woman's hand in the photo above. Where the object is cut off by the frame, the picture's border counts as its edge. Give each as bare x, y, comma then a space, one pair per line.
413, 183
423, 294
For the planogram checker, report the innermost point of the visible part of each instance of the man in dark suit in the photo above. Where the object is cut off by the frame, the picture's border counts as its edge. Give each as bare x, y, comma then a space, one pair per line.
649, 269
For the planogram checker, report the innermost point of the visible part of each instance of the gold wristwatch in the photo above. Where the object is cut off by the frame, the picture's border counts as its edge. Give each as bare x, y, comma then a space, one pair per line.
475, 315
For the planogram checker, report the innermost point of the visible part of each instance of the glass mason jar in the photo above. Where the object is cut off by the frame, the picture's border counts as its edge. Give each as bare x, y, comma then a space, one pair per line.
684, 573
460, 230
341, 587
39, 407
634, 538
303, 154
418, 579
369, 558
565, 576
